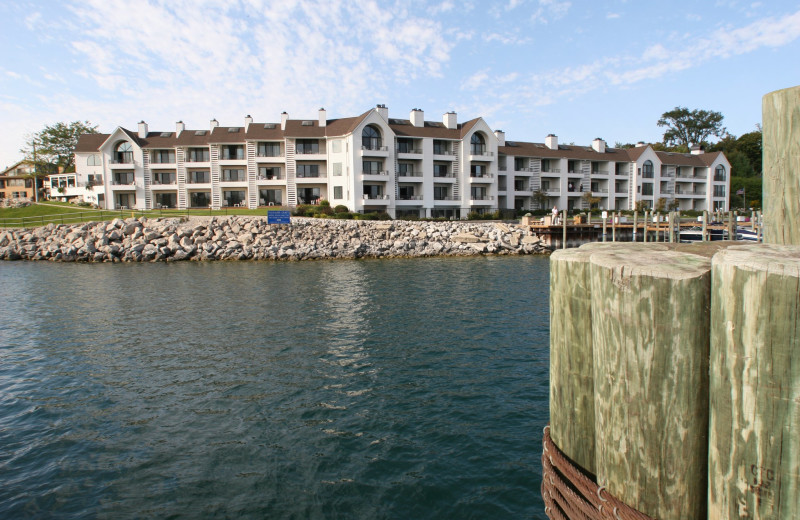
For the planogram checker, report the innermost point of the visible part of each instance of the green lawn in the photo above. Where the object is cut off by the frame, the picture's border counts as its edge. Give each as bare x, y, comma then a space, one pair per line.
64, 213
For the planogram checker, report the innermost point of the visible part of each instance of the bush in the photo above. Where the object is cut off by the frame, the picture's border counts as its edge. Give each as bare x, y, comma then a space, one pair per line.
345, 215
301, 210
341, 208
324, 203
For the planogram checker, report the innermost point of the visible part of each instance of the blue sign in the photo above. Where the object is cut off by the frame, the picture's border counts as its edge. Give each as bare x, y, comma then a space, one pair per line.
279, 217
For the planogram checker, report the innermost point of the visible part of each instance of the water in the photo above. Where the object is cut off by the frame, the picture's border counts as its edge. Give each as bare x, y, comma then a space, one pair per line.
348, 389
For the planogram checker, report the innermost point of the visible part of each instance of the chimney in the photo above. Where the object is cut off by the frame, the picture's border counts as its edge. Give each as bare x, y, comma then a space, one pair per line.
247, 121
450, 120
417, 118
551, 141
213, 124
696, 149
179, 127
383, 111
142, 129
598, 145
501, 137
284, 118
323, 118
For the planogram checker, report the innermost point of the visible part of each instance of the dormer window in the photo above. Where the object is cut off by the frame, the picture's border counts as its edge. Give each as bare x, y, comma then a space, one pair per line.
477, 145
370, 138
123, 153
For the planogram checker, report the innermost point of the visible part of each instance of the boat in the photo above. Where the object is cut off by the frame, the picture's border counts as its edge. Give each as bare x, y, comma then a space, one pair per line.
695, 234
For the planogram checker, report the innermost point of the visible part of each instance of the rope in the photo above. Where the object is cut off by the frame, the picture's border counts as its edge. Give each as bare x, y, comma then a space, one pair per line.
569, 494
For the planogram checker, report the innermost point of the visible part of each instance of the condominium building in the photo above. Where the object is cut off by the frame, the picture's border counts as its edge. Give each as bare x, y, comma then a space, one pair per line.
376, 163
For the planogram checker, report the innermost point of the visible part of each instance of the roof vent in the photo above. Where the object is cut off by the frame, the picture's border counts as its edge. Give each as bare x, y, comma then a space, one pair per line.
200, 132
233, 130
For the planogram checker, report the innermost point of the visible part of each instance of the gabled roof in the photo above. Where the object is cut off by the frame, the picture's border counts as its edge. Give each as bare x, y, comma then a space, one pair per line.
404, 128
686, 159
191, 138
159, 140
345, 125
227, 135
264, 132
89, 143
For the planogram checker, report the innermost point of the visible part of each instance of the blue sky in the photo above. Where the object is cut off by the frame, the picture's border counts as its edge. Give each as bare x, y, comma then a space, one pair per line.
579, 69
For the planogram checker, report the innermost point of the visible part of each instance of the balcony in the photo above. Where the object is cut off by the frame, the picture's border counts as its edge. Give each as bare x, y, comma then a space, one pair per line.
553, 170
552, 191
410, 176
311, 178
375, 199
484, 178
600, 172
265, 178
375, 175
409, 198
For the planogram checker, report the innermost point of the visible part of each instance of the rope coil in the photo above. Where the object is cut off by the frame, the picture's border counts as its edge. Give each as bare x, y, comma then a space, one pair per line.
569, 494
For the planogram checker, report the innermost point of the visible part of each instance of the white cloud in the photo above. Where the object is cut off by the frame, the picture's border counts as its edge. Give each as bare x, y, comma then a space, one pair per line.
612, 16
550, 10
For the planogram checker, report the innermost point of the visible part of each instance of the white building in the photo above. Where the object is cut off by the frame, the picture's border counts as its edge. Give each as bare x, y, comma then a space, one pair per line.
376, 163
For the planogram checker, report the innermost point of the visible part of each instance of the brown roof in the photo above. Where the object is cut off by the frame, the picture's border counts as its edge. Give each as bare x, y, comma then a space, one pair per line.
344, 125
264, 131
404, 128
585, 153
227, 135
88, 143
684, 159
159, 140
190, 138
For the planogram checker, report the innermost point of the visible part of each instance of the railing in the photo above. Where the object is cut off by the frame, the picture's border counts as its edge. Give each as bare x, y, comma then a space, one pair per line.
410, 197
445, 198
481, 176
234, 178
121, 161
310, 175
408, 150
265, 154
553, 170
303, 151
380, 172
162, 161
409, 174
123, 183
196, 160
375, 197
442, 152
600, 190
553, 191
161, 183
444, 175
599, 172
270, 177
502, 168
375, 147
482, 197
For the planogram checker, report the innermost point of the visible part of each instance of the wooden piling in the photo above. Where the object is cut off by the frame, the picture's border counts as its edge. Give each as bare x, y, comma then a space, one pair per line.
754, 454
571, 366
650, 349
781, 158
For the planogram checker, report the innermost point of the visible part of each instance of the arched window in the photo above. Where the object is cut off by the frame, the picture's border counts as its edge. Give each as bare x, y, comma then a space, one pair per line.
647, 170
477, 146
371, 138
93, 160
123, 153
719, 173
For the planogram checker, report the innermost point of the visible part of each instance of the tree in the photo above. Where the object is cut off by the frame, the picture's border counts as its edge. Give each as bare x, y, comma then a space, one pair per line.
54, 146
661, 204
590, 201
541, 199
691, 127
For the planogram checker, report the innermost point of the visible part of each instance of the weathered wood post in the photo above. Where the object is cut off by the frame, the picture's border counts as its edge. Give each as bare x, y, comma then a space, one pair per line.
564, 224
754, 453
571, 366
644, 223
671, 223
705, 225
781, 178
614, 219
635, 214
605, 223
650, 344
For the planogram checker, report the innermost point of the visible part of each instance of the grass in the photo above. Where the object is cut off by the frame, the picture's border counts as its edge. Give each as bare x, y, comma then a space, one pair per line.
65, 213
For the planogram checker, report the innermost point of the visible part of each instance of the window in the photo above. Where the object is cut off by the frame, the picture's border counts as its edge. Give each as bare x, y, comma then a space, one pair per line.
94, 160
94, 180
163, 177
477, 170
373, 191
406, 169
269, 172
440, 192
304, 146
198, 155
307, 170
200, 199
371, 167
269, 149
406, 192
520, 164
123, 153
233, 175
477, 193
233, 197
336, 146
405, 145
477, 145
270, 197
166, 200
440, 170
163, 156
127, 200
308, 195
647, 188
719, 173
573, 167
719, 191
337, 169
15, 182
233, 152
199, 177
337, 192
440, 147
519, 185
647, 170
122, 178
549, 166
371, 138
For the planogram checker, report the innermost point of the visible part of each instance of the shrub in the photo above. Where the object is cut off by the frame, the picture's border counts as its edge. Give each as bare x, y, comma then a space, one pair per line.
345, 215
324, 203
341, 208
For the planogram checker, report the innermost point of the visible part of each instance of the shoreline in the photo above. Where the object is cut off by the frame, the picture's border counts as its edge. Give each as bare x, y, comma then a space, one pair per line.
220, 238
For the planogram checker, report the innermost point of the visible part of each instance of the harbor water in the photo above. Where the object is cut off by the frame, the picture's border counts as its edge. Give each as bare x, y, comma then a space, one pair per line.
409, 388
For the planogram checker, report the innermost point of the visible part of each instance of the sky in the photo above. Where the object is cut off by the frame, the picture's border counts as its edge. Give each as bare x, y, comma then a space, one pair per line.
577, 69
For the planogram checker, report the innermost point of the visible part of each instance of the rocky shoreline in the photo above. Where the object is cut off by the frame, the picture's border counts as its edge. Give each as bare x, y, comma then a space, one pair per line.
251, 238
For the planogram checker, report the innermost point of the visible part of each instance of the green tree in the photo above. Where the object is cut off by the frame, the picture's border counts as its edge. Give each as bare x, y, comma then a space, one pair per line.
750, 144
541, 199
691, 127
54, 145
661, 204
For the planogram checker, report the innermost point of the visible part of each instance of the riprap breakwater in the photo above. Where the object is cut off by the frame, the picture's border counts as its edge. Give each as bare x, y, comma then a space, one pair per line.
252, 238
